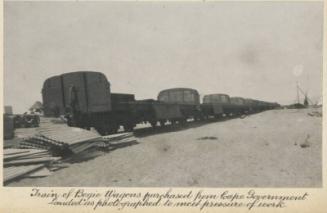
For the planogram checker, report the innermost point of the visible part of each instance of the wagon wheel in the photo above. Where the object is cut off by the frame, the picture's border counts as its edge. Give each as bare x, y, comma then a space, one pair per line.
128, 127
173, 122
101, 130
197, 118
183, 121
162, 123
153, 124
112, 128
218, 116
107, 129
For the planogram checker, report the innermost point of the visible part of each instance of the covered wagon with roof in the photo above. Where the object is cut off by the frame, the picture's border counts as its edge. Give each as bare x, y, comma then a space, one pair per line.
187, 99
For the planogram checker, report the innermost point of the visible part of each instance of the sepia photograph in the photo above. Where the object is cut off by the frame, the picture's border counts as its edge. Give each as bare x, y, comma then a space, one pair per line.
163, 94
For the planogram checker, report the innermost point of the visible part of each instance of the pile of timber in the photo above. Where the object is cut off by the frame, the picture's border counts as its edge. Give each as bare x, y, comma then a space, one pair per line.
21, 162
62, 139
120, 139
37, 155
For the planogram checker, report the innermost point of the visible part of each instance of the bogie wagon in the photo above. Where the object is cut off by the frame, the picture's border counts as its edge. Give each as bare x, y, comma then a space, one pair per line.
216, 105
238, 105
187, 100
85, 99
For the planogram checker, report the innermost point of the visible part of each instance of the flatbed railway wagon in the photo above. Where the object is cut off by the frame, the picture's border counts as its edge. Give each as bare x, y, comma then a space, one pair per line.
187, 99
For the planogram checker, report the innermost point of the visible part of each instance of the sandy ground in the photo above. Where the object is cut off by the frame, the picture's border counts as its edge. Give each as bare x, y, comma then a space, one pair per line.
277, 148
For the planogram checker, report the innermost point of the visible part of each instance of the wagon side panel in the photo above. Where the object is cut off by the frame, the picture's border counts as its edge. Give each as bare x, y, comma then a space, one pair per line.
75, 80
97, 93
217, 109
52, 95
167, 111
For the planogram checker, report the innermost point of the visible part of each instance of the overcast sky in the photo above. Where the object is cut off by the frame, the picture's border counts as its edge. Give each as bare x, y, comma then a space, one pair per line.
255, 50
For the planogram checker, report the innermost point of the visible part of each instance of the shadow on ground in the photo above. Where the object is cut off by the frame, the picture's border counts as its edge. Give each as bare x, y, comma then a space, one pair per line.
148, 131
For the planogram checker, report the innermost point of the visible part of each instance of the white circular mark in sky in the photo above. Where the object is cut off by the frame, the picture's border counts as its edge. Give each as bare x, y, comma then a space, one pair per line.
298, 70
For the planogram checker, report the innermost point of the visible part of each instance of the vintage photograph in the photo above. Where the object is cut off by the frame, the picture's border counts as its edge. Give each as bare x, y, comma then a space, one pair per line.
163, 94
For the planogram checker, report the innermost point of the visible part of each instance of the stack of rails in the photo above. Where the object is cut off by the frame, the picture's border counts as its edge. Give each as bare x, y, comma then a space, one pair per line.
20, 162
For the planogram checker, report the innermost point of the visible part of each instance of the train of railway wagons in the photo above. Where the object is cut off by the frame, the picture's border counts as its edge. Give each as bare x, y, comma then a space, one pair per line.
85, 99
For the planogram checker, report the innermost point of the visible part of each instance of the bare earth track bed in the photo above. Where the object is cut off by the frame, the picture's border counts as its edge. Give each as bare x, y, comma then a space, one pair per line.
277, 148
